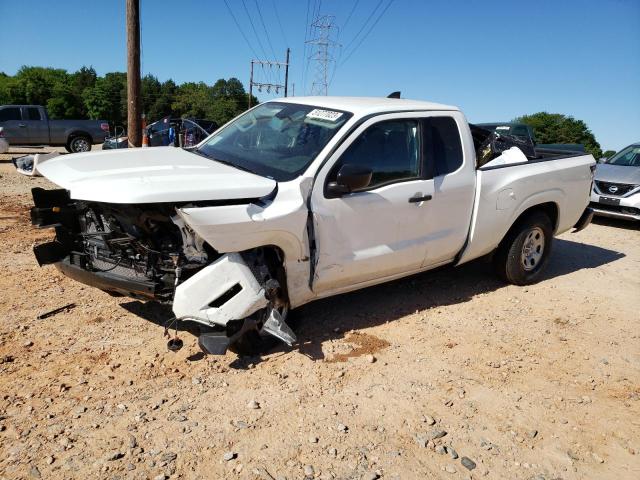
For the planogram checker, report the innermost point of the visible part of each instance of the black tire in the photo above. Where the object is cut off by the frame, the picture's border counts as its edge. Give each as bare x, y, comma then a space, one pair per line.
255, 343
79, 143
524, 252
252, 344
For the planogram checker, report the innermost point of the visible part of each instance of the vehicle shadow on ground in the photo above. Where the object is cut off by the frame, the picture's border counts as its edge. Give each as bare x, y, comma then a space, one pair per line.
617, 223
424, 291
332, 318
163, 316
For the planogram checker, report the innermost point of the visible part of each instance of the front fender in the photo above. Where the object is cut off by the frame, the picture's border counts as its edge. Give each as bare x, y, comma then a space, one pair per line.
281, 223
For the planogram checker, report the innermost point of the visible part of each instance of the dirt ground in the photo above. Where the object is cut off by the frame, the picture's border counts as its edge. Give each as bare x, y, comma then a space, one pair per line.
541, 382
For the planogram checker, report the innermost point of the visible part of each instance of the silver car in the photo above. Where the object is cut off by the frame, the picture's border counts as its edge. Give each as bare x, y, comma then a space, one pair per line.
616, 187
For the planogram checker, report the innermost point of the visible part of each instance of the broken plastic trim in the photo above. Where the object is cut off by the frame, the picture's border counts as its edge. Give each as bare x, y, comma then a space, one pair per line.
275, 326
218, 342
50, 252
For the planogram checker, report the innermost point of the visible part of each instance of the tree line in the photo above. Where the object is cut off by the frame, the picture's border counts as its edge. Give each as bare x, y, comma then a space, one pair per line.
558, 128
84, 94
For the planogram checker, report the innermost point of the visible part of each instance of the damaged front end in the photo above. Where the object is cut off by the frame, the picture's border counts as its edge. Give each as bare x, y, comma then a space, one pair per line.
148, 252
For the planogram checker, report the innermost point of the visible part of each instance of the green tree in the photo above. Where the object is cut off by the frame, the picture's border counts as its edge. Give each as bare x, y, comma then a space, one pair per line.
107, 100
559, 128
150, 87
192, 99
65, 101
83, 94
84, 78
7, 86
230, 99
36, 84
609, 153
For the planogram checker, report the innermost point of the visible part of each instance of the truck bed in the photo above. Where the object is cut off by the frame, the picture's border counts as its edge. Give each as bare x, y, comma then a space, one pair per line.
503, 192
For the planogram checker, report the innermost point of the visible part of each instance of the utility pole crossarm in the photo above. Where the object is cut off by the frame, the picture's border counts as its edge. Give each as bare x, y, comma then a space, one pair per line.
268, 85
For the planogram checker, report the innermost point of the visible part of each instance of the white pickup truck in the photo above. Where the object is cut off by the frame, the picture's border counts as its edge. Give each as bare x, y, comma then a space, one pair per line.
300, 199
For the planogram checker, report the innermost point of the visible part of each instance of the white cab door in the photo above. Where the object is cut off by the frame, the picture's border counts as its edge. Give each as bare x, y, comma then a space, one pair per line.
381, 230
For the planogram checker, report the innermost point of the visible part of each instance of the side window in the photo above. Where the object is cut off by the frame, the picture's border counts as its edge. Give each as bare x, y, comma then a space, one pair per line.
33, 114
390, 148
11, 113
442, 145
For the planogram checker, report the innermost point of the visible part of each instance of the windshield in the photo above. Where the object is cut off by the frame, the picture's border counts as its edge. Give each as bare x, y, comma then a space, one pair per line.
276, 140
629, 157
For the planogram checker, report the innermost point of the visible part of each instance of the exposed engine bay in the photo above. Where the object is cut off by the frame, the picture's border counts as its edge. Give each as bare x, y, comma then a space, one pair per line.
147, 251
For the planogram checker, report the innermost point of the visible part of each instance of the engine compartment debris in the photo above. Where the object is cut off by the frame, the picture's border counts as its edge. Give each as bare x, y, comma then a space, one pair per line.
149, 252
28, 164
55, 311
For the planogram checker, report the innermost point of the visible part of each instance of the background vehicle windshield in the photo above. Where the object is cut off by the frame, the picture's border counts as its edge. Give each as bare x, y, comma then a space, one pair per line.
276, 140
629, 157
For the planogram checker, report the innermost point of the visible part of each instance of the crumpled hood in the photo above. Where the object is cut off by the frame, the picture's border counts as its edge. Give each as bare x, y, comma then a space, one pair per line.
151, 175
618, 174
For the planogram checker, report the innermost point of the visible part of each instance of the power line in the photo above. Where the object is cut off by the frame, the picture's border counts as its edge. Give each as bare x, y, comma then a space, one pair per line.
264, 28
267, 35
240, 30
264, 52
335, 66
368, 31
350, 15
363, 25
344, 27
284, 36
315, 14
303, 71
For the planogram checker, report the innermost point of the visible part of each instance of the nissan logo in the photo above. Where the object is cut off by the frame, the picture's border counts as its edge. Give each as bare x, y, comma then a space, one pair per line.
613, 189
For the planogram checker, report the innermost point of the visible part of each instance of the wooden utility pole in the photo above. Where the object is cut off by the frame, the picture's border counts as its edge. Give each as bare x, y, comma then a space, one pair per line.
286, 74
251, 84
134, 130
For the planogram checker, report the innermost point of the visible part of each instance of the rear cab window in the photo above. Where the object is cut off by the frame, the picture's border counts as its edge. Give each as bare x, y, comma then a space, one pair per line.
32, 113
442, 146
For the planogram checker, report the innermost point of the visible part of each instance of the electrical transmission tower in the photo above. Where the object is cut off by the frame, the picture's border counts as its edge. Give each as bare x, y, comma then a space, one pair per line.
322, 46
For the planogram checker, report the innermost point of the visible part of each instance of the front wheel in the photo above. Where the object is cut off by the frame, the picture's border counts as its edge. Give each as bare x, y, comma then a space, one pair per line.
523, 254
81, 143
256, 342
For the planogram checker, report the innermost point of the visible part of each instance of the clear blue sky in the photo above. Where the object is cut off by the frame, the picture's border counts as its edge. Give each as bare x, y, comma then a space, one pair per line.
494, 59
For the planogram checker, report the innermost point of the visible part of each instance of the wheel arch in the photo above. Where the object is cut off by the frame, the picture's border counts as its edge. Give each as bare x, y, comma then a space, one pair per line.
550, 209
78, 133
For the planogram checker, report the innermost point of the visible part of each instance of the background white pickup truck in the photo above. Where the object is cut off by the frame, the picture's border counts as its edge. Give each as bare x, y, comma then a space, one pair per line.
299, 199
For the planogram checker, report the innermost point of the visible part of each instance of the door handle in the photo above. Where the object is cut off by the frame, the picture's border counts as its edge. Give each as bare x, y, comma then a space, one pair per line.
420, 199
22, 125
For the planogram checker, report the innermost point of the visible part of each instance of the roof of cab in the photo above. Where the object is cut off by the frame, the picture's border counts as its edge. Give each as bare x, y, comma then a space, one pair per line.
367, 105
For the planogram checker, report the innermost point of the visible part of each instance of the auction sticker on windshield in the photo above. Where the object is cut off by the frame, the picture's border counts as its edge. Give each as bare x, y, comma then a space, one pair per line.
327, 115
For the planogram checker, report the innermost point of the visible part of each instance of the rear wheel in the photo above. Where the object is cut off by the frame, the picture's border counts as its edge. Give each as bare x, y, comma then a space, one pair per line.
523, 254
79, 143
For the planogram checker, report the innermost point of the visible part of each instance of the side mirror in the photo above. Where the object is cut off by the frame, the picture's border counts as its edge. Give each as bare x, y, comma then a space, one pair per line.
350, 177
602, 160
